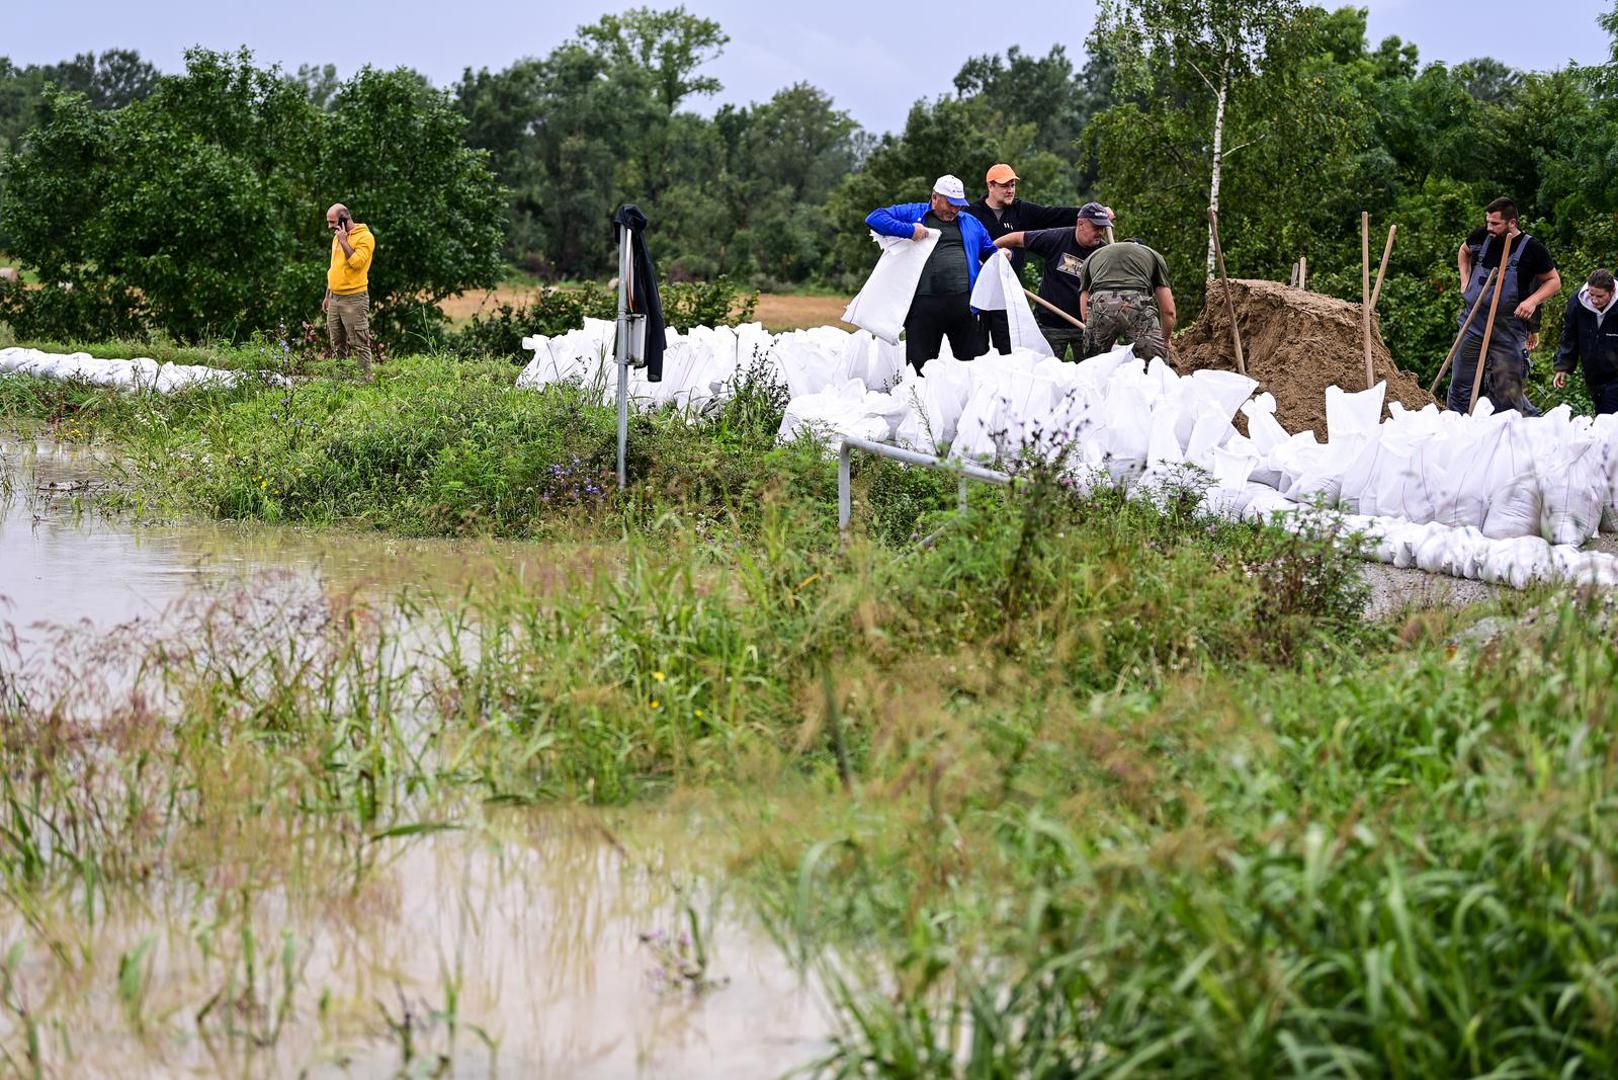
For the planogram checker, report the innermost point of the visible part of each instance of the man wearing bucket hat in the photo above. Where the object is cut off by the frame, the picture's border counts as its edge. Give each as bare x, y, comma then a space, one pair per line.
942, 305
1001, 213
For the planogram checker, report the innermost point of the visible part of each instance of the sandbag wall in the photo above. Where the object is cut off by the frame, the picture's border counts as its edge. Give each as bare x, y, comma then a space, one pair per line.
1491, 497
142, 373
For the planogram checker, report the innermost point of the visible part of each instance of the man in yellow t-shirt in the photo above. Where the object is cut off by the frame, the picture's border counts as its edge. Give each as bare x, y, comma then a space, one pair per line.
348, 302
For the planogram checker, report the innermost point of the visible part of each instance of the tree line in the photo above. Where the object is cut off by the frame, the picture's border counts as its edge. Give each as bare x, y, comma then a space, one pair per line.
190, 202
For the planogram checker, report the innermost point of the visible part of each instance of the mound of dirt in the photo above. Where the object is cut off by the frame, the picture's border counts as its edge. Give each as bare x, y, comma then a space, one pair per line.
1296, 343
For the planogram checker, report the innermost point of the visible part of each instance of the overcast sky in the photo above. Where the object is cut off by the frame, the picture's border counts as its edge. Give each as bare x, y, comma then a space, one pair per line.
875, 59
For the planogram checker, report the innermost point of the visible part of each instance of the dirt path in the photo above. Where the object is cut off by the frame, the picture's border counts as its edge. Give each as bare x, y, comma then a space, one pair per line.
776, 312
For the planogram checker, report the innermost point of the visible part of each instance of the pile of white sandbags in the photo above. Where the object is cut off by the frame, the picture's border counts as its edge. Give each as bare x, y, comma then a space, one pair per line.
141, 373
1498, 498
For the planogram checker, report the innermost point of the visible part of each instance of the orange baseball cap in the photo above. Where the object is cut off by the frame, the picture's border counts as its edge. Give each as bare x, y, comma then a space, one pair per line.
1001, 173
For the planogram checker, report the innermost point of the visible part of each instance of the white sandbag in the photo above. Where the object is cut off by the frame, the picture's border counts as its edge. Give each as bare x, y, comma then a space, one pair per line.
999, 289
1517, 562
1353, 416
1265, 504
835, 411
884, 300
1262, 426
1227, 389
1573, 482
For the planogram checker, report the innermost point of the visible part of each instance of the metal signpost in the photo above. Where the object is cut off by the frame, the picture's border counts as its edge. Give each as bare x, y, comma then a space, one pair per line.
631, 344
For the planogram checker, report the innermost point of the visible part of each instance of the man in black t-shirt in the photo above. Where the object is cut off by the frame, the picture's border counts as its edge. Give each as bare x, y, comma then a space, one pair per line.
1064, 252
1001, 212
1530, 279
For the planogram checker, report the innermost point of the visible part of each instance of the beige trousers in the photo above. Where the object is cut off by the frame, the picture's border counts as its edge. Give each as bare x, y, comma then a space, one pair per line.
348, 323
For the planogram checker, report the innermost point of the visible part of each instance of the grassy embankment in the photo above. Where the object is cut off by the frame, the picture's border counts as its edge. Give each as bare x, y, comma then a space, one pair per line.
1084, 787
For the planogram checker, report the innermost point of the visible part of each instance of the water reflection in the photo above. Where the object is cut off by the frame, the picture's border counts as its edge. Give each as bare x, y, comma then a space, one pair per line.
511, 946
60, 566
512, 951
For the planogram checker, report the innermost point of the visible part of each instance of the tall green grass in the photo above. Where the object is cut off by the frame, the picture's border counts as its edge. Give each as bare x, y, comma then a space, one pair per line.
1398, 867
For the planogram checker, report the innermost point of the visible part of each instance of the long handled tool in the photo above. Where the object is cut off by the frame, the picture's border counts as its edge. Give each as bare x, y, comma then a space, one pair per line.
1381, 271
1230, 304
1465, 326
1365, 295
1488, 327
1048, 306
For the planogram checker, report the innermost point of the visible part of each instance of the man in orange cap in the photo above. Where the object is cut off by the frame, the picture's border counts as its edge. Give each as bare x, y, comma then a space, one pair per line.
1001, 212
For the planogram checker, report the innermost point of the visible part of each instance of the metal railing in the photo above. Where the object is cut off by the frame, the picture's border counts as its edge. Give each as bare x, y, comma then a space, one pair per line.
845, 492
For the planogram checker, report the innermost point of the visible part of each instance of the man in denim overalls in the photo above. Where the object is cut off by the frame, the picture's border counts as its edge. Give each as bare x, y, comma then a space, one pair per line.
1530, 279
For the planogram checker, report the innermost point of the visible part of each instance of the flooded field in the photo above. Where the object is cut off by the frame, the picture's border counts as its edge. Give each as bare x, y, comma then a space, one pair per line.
245, 834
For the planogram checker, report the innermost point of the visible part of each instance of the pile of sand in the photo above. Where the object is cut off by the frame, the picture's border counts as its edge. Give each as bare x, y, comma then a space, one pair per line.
1296, 343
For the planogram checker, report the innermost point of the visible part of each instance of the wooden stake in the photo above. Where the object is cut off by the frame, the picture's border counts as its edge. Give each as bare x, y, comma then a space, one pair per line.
1381, 271
1470, 315
1365, 302
1488, 328
1230, 304
1303, 271
1048, 306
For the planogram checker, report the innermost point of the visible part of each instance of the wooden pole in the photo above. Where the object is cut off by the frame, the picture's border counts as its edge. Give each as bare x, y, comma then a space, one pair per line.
1303, 271
1230, 304
1365, 293
1048, 306
1488, 328
1470, 315
1381, 271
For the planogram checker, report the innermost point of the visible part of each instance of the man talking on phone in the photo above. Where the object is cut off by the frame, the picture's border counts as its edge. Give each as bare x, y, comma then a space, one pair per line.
348, 302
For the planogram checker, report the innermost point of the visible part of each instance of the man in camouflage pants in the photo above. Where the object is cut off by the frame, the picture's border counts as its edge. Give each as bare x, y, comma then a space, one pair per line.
1124, 294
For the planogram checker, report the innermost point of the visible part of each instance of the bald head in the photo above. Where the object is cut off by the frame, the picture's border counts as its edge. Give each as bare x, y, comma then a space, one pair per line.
335, 213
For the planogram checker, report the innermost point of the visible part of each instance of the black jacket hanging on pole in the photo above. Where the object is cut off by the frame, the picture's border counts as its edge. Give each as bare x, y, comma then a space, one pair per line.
644, 299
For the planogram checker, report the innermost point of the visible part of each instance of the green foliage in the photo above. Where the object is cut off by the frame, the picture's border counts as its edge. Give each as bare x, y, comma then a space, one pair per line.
196, 211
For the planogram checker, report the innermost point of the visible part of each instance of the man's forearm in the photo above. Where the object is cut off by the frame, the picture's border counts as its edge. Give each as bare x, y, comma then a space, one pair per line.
1547, 288
348, 249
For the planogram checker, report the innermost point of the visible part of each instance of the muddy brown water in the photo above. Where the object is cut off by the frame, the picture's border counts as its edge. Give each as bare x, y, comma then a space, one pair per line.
538, 930
60, 565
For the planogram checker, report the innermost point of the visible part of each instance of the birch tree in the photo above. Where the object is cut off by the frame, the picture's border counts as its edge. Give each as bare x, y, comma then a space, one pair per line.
1222, 41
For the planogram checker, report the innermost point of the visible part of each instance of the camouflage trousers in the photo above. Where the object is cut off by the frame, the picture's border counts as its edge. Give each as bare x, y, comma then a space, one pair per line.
1128, 316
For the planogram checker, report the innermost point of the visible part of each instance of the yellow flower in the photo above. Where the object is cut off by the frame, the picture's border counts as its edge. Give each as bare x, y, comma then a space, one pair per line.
699, 714
656, 704
658, 675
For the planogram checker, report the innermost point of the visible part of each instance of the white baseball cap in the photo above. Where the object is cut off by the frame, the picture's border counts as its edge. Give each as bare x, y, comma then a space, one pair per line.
951, 188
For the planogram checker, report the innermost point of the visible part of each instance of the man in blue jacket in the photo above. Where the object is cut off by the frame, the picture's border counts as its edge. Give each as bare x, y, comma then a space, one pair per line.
942, 304
1588, 340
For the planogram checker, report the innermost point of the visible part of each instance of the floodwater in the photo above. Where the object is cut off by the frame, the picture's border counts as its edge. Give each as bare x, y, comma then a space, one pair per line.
62, 566
524, 942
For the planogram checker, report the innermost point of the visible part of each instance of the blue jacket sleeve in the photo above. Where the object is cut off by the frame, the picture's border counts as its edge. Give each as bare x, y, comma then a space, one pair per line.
899, 220
1567, 353
985, 245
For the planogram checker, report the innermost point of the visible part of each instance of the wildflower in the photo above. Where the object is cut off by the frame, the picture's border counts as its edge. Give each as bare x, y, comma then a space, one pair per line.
659, 676
656, 704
